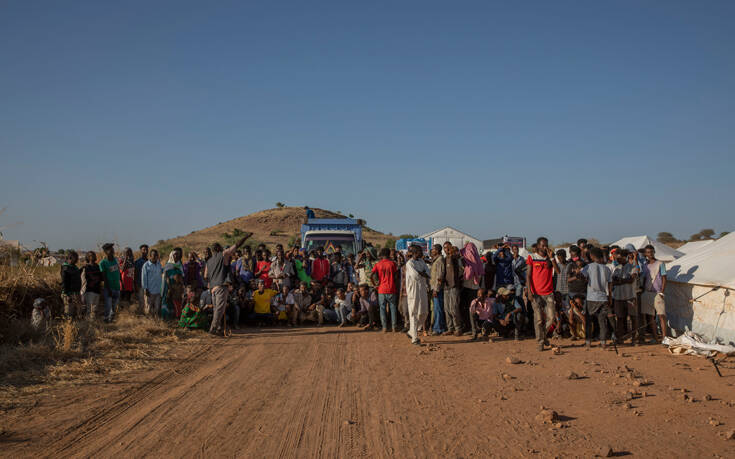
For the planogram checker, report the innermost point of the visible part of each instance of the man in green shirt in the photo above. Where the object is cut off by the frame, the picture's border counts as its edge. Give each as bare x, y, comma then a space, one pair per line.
111, 278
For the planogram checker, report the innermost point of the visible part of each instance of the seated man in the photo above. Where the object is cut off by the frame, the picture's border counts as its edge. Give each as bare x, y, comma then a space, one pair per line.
262, 309
326, 307
341, 307
507, 314
301, 303
481, 309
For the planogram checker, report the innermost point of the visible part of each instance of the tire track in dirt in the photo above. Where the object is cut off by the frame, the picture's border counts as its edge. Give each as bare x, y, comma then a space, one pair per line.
72, 436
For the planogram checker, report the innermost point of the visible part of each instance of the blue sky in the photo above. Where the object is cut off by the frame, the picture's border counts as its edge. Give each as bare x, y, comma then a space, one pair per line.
138, 121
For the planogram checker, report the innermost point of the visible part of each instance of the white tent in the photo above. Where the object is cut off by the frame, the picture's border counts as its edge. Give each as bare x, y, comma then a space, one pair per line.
693, 246
453, 235
700, 295
663, 251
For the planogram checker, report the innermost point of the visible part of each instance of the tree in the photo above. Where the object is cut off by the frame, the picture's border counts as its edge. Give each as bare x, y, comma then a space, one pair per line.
408, 236
390, 243
351, 216
280, 205
724, 233
665, 237
61, 251
707, 233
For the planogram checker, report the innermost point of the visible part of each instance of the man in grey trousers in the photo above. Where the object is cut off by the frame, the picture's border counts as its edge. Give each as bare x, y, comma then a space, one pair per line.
216, 273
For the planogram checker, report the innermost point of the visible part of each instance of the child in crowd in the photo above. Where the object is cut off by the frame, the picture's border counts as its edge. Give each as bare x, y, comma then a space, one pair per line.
91, 277
340, 307
481, 310
71, 285
283, 304
576, 317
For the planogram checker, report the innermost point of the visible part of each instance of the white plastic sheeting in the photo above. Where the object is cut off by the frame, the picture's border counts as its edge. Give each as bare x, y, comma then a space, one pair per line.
693, 344
663, 251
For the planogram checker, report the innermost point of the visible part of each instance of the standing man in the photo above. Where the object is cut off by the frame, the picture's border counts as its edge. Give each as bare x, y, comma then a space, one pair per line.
111, 277
215, 272
599, 295
320, 267
417, 273
436, 282
151, 278
540, 282
384, 275
139, 292
654, 284
503, 267
452, 286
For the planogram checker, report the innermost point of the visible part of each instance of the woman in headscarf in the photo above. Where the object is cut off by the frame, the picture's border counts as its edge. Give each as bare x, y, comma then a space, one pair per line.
127, 275
473, 278
192, 315
172, 295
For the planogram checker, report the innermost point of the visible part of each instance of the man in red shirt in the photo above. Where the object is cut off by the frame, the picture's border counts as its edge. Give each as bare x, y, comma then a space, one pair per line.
384, 274
320, 267
540, 284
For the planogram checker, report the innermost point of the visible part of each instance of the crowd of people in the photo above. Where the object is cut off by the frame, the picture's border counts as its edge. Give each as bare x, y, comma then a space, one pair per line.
607, 293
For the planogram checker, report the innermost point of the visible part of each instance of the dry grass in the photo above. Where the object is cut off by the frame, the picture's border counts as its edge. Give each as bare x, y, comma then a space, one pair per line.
75, 352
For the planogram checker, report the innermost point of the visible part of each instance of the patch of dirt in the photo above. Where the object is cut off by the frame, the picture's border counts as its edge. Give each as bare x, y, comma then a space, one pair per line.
331, 392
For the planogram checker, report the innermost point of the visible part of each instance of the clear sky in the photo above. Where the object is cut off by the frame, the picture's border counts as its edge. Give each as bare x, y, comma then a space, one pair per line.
138, 121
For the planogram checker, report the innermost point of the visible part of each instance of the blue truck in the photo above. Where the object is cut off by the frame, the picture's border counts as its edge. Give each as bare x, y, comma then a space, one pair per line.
329, 233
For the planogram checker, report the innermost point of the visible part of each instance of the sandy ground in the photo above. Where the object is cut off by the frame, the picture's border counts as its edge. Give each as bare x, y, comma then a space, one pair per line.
328, 392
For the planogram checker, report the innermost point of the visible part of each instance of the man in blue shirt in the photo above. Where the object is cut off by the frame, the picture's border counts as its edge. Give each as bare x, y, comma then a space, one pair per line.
507, 314
151, 280
503, 267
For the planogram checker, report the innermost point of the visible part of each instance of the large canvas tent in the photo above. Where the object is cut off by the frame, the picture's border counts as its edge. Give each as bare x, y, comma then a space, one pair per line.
663, 251
453, 235
693, 246
700, 295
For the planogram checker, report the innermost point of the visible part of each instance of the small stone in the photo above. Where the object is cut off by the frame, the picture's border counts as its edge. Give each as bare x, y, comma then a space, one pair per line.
707, 397
606, 451
506, 377
503, 397
714, 422
683, 391
637, 383
644, 394
692, 400
730, 435
684, 397
512, 360
348, 422
628, 406
558, 425
572, 375
547, 416
556, 350
481, 400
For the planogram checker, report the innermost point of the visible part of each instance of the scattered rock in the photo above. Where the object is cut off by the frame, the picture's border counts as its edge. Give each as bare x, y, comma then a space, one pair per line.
503, 397
644, 394
506, 377
547, 416
572, 375
606, 451
707, 397
556, 350
730, 435
692, 400
684, 397
481, 400
714, 422
628, 406
512, 360
558, 425
683, 391
349, 422
637, 383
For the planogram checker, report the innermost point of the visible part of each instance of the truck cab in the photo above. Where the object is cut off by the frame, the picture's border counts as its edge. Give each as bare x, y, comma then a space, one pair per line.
329, 233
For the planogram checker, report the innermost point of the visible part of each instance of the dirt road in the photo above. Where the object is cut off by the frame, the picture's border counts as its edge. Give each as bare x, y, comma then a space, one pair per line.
327, 392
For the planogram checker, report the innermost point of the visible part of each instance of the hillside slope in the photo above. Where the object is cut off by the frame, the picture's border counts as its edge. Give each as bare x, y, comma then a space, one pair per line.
271, 226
